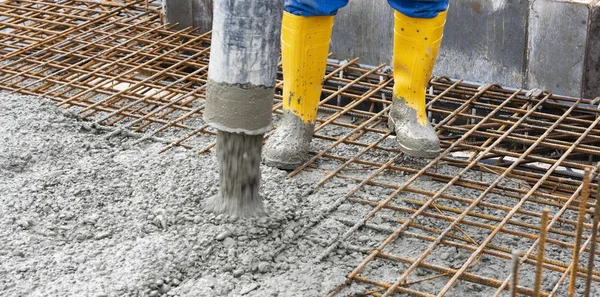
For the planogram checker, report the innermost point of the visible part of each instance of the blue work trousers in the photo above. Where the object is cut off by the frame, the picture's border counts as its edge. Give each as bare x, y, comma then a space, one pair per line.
412, 8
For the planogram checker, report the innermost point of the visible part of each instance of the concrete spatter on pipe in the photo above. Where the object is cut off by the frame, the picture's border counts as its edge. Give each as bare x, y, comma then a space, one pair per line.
239, 108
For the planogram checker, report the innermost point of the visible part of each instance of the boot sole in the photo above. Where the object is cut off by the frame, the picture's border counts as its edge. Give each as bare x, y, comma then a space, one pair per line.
279, 164
418, 153
409, 151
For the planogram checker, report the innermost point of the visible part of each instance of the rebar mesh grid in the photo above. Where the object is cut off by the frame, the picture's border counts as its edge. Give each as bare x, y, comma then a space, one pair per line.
507, 156
511, 159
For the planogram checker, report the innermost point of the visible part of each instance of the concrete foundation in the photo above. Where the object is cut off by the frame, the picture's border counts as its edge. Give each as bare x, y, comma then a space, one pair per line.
365, 29
559, 49
187, 13
485, 41
591, 72
548, 44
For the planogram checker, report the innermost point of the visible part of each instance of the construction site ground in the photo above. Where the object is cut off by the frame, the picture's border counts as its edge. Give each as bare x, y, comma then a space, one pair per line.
82, 215
86, 215
106, 164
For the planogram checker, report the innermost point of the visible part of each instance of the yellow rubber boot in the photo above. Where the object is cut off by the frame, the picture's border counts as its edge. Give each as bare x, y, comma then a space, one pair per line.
305, 45
416, 45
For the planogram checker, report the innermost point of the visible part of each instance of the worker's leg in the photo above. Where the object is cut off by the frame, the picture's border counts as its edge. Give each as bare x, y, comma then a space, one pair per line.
305, 34
419, 8
418, 30
309, 8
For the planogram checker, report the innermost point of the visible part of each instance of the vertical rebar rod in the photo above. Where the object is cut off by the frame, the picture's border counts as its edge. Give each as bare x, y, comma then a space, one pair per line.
568, 270
555, 218
514, 286
537, 288
590, 267
585, 193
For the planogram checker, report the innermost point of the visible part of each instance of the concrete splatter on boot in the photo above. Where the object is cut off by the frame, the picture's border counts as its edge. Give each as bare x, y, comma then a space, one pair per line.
416, 45
288, 146
412, 138
304, 48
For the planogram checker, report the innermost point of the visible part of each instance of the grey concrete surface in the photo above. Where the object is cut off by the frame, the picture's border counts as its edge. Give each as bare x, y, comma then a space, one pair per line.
485, 41
591, 75
365, 29
178, 11
202, 14
558, 32
110, 218
187, 13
